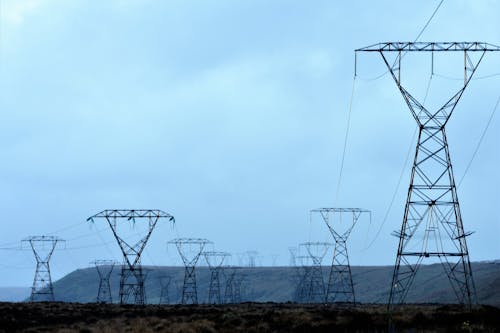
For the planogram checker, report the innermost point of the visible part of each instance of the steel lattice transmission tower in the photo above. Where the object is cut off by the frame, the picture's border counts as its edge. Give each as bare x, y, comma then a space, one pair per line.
340, 287
303, 276
104, 269
432, 211
229, 273
164, 286
190, 250
215, 260
42, 247
132, 275
314, 274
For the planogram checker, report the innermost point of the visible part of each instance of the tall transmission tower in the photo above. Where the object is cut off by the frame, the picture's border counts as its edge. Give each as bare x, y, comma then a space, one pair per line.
190, 250
164, 286
432, 223
215, 260
340, 287
42, 247
132, 275
104, 269
316, 285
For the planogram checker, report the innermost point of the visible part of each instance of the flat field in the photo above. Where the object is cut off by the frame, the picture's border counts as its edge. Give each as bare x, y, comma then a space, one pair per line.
246, 317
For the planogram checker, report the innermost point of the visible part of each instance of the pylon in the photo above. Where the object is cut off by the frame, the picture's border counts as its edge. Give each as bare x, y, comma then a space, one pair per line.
42, 247
132, 275
432, 223
104, 269
316, 285
340, 287
190, 250
215, 260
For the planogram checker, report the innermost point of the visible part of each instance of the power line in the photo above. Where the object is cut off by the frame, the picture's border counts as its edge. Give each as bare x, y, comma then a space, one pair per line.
345, 140
416, 39
480, 141
428, 21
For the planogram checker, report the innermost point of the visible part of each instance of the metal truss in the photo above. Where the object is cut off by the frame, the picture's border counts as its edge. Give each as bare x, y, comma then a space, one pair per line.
340, 287
104, 269
315, 282
215, 260
42, 247
303, 271
432, 223
229, 273
234, 281
238, 279
190, 250
132, 275
164, 286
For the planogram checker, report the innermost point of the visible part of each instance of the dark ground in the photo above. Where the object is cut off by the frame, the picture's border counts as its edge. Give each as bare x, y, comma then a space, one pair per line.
247, 317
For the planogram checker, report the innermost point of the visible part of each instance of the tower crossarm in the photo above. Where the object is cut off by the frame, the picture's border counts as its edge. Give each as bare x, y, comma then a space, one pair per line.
429, 47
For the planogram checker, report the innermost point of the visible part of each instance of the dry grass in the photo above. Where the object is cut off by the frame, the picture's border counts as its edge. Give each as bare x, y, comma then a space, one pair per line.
248, 318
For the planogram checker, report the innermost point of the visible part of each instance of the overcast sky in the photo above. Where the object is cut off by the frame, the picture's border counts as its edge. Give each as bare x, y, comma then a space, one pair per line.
231, 116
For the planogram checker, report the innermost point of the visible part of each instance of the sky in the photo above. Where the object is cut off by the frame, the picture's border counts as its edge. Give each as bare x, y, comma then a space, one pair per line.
231, 116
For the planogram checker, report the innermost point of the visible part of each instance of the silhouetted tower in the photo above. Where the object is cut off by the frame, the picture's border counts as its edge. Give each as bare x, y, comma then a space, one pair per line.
229, 273
316, 285
238, 279
252, 257
190, 250
340, 287
304, 269
43, 247
215, 261
132, 275
104, 269
432, 224
164, 286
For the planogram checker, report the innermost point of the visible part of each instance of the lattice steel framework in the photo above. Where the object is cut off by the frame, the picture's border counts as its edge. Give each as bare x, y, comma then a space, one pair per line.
164, 286
304, 269
340, 287
190, 250
104, 269
132, 275
43, 247
238, 279
315, 282
252, 257
229, 273
432, 208
215, 260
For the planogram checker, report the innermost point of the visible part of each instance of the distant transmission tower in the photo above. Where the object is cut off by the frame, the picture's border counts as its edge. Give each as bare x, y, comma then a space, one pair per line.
43, 247
432, 224
238, 279
229, 272
340, 287
304, 270
132, 275
104, 269
190, 250
316, 285
252, 257
164, 285
215, 260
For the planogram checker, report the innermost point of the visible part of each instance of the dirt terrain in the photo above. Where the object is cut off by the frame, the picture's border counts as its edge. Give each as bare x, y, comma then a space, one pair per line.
247, 317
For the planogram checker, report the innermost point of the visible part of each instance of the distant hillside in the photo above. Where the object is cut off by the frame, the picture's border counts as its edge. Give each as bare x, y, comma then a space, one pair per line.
275, 284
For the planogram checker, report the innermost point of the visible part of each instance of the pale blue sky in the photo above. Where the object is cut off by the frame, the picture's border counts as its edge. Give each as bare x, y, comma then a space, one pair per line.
231, 116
